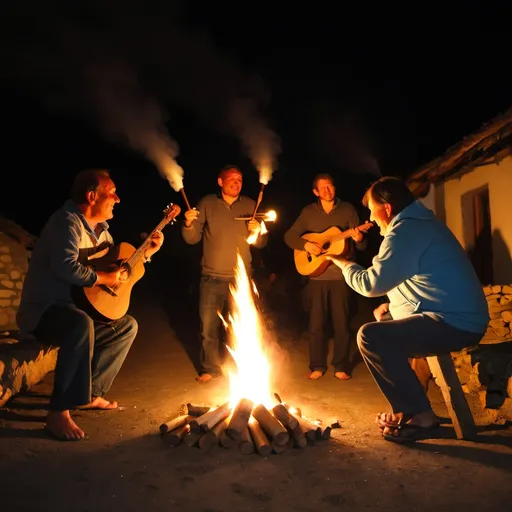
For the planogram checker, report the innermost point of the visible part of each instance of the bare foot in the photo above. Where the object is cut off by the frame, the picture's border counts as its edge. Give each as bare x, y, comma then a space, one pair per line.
342, 376
204, 377
61, 426
99, 402
315, 375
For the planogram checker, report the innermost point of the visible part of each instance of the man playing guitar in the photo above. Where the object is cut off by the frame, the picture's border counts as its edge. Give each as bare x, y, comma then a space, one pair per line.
326, 291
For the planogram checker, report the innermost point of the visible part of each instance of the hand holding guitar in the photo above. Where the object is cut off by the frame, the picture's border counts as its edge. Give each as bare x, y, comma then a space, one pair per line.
155, 243
112, 278
313, 248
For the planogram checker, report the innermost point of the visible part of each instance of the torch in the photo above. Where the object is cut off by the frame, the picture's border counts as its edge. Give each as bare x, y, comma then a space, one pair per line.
182, 190
258, 202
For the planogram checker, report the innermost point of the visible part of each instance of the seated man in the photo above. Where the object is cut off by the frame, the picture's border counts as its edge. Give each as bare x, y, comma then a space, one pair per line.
436, 304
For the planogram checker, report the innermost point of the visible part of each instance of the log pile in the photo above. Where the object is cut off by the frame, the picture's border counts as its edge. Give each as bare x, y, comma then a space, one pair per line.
485, 372
499, 301
247, 427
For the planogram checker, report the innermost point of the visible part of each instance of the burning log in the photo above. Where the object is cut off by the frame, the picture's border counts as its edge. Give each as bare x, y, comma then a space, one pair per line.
191, 438
178, 421
261, 442
298, 436
208, 440
324, 434
293, 410
239, 419
280, 448
310, 430
285, 417
197, 410
220, 432
174, 438
270, 424
246, 444
208, 420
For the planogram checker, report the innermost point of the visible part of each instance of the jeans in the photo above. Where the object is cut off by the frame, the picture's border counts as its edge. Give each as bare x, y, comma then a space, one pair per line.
214, 297
387, 346
329, 297
90, 354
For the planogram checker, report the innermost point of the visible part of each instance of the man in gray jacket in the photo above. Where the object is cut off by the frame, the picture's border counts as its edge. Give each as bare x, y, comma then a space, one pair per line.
327, 292
223, 238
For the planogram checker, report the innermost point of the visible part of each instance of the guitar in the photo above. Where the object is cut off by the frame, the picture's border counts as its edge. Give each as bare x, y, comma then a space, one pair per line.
332, 241
104, 303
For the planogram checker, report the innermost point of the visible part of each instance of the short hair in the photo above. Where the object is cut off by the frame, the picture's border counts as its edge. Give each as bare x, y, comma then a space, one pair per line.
86, 181
392, 190
322, 176
227, 168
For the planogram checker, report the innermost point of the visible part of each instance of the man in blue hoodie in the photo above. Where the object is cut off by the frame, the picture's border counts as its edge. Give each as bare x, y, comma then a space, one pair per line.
436, 303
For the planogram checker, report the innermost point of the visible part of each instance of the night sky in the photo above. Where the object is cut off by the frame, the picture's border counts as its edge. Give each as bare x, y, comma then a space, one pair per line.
354, 90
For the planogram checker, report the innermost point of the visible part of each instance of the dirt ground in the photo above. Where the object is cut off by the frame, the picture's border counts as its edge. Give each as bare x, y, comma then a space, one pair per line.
124, 464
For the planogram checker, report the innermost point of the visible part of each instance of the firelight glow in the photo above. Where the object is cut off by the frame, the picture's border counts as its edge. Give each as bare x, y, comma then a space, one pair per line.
251, 378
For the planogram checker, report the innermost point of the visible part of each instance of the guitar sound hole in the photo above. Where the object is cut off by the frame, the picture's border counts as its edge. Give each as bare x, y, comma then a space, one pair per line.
326, 246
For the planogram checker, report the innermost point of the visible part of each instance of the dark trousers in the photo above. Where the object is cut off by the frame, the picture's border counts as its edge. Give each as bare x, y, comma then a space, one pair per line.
90, 354
387, 346
324, 297
213, 298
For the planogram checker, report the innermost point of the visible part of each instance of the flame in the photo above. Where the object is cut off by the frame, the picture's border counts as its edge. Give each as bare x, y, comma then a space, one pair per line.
270, 216
251, 378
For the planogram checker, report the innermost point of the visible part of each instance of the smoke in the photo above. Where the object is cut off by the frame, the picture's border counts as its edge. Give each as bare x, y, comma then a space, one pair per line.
262, 144
125, 113
120, 63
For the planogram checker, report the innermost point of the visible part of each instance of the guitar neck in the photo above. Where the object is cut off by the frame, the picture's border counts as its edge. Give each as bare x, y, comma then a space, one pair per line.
346, 234
139, 253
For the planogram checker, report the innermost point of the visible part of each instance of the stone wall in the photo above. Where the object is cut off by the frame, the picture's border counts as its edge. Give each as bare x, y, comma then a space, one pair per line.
22, 364
486, 372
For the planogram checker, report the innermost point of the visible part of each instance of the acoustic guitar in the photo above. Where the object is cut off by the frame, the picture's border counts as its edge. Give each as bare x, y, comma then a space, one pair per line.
333, 242
104, 303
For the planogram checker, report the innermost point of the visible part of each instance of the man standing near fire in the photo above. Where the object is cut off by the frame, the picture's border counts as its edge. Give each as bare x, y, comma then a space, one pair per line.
223, 238
327, 292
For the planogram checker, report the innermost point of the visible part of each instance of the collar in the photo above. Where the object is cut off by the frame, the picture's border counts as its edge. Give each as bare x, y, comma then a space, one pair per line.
72, 207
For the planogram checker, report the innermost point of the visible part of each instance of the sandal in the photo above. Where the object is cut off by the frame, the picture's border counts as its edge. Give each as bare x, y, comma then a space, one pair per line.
408, 433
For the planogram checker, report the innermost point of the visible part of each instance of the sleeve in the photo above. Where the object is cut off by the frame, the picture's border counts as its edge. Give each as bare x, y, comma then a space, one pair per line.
394, 264
64, 256
193, 234
293, 237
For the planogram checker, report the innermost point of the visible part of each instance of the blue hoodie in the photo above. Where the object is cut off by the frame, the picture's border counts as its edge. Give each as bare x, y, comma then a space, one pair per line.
422, 268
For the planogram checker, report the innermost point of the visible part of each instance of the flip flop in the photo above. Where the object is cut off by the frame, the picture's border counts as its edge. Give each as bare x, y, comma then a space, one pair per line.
409, 433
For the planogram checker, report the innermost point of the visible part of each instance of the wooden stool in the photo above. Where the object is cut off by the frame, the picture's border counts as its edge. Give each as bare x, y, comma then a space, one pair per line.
445, 375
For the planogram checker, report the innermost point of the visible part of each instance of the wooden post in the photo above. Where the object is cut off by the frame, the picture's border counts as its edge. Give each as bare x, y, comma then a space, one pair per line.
445, 375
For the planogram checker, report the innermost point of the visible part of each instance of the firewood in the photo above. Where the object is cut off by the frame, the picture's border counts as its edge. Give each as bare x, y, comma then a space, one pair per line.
298, 436
259, 438
284, 416
270, 424
293, 410
281, 448
324, 434
246, 444
191, 438
208, 420
310, 430
197, 410
174, 423
174, 438
239, 419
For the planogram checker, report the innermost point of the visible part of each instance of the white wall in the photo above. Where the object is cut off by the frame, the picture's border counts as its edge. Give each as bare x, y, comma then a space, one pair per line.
498, 178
